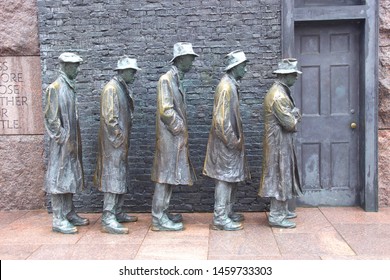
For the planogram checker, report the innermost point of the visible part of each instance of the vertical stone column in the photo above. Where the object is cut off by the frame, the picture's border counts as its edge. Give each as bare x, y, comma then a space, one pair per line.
384, 104
21, 123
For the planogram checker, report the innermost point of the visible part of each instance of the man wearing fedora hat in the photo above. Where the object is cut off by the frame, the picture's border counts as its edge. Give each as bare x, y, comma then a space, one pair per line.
64, 175
116, 114
171, 165
280, 178
225, 157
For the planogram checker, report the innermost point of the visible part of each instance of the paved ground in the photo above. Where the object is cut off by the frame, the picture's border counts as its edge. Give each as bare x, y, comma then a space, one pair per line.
322, 233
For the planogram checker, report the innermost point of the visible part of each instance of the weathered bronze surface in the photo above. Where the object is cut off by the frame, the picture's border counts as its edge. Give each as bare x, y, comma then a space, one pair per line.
171, 164
280, 178
64, 175
225, 157
116, 115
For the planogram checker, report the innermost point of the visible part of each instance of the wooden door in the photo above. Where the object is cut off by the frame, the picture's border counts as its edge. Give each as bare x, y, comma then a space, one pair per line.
328, 95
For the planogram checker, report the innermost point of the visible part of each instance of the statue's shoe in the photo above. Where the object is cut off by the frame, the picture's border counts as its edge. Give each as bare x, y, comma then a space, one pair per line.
113, 227
230, 226
176, 218
64, 226
291, 215
167, 225
236, 217
77, 220
124, 218
283, 224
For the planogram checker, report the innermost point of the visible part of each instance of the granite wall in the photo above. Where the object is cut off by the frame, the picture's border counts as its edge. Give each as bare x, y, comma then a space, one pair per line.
21, 130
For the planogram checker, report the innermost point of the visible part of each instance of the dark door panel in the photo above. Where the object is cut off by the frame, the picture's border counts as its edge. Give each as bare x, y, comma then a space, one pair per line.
308, 3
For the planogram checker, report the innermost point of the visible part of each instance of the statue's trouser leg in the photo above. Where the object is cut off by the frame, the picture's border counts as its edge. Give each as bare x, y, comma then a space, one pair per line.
278, 210
68, 204
109, 222
121, 201
232, 200
168, 198
109, 206
70, 211
110, 202
161, 198
222, 196
58, 205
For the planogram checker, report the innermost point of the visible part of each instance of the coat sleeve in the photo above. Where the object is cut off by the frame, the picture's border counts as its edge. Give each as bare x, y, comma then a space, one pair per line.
283, 111
110, 114
167, 113
223, 119
52, 120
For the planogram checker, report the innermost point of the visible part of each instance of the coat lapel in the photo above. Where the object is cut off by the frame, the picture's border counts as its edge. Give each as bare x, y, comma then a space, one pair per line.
128, 95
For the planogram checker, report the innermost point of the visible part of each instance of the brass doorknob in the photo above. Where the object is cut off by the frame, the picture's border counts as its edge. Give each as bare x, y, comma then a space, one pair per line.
353, 125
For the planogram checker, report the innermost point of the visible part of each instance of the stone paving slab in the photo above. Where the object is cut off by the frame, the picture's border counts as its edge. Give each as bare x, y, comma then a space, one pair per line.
334, 233
85, 252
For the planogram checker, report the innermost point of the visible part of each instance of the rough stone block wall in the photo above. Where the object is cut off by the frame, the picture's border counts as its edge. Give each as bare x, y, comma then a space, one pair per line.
22, 172
384, 103
21, 164
101, 31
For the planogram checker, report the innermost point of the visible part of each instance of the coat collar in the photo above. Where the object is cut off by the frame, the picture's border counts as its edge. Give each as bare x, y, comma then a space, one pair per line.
287, 89
122, 82
175, 74
235, 82
125, 88
175, 71
70, 82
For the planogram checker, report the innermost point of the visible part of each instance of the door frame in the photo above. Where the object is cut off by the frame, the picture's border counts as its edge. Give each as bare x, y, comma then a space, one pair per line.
368, 138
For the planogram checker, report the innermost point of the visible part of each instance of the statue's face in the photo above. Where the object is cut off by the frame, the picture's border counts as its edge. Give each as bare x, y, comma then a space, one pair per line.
290, 79
240, 70
71, 70
184, 63
129, 75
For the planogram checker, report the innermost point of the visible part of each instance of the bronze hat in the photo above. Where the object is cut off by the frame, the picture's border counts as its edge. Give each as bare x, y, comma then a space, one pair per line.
182, 48
234, 58
127, 63
69, 57
288, 66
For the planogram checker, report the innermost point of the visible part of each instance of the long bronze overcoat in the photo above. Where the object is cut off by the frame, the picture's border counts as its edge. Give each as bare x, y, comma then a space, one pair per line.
225, 156
65, 170
280, 178
116, 113
171, 160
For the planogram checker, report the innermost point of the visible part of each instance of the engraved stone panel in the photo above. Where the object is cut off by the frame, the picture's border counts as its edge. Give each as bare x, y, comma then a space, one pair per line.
20, 95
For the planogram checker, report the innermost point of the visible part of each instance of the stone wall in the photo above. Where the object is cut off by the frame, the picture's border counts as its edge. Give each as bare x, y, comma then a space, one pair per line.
21, 137
384, 103
102, 31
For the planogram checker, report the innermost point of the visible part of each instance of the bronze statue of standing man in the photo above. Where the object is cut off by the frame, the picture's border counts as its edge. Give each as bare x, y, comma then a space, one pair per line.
116, 114
280, 179
64, 176
171, 164
225, 157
